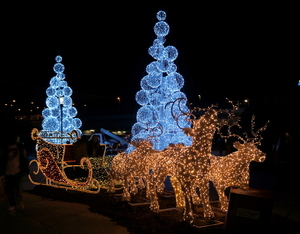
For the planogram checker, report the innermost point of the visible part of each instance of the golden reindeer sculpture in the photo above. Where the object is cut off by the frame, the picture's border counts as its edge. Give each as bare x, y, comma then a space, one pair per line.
133, 168
233, 169
188, 166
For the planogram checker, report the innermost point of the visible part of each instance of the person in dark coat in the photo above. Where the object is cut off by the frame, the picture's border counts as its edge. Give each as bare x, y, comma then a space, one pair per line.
81, 148
80, 151
13, 167
94, 148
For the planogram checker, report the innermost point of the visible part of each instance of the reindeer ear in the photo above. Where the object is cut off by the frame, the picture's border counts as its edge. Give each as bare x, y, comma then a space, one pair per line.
236, 144
187, 131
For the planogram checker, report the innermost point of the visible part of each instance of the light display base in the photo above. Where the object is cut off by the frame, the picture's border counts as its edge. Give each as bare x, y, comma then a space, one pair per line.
202, 223
249, 210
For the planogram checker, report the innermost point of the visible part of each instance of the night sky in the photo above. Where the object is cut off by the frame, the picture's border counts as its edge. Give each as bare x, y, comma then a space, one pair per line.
234, 49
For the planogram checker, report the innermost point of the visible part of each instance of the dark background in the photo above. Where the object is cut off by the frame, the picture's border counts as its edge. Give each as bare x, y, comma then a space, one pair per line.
227, 49
235, 49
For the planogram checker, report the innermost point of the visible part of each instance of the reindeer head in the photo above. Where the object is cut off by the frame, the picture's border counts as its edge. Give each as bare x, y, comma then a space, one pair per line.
248, 147
250, 151
201, 125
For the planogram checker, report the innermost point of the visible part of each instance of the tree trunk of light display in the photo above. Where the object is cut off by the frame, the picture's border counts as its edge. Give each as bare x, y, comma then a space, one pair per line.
160, 87
59, 116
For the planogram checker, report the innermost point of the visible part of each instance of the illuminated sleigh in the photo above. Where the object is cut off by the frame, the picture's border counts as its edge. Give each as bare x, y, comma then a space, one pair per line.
51, 162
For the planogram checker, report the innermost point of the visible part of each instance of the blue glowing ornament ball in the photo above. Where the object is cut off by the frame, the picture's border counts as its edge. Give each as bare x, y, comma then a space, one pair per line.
58, 58
59, 68
161, 15
161, 28
170, 53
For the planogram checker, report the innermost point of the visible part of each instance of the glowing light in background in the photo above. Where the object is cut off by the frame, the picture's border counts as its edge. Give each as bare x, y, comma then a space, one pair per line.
59, 116
160, 86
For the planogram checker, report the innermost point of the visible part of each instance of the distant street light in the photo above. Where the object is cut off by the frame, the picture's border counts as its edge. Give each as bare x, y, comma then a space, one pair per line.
199, 96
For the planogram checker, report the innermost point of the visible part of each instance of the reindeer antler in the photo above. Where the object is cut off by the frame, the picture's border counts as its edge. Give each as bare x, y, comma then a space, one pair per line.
234, 107
176, 117
257, 136
173, 103
154, 130
230, 122
234, 124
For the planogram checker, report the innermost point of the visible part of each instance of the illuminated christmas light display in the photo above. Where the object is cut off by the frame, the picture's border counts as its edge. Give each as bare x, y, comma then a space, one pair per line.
161, 85
59, 116
233, 169
55, 151
51, 163
187, 165
132, 168
169, 140
190, 167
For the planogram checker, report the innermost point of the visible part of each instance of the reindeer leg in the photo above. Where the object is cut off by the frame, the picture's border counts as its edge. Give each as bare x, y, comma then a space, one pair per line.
126, 195
222, 197
111, 184
154, 205
187, 211
195, 197
180, 201
204, 193
148, 186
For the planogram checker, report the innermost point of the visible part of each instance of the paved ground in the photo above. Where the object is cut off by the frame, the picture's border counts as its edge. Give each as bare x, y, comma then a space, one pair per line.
45, 216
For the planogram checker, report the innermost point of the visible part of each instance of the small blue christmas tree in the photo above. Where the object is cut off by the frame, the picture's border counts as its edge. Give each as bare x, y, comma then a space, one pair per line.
160, 88
59, 116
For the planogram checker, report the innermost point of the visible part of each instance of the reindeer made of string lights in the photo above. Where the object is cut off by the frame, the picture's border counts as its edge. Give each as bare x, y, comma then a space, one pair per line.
133, 168
188, 166
233, 169
151, 167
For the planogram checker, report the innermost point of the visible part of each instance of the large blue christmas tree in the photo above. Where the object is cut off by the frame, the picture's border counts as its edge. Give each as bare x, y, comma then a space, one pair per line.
160, 89
59, 116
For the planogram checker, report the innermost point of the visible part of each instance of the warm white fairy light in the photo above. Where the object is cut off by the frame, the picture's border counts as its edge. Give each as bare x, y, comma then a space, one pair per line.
50, 162
129, 166
187, 165
233, 169
190, 167
101, 167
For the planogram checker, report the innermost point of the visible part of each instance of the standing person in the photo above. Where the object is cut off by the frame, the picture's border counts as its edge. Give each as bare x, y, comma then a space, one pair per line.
81, 148
14, 167
95, 149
